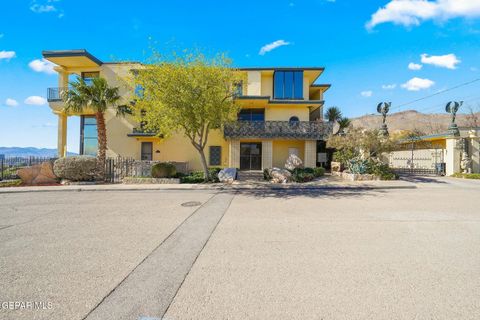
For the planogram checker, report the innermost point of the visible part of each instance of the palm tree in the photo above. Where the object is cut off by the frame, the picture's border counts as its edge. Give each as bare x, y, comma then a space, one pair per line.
96, 96
343, 123
333, 114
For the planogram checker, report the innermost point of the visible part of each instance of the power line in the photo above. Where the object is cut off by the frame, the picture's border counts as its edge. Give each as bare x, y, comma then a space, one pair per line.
437, 93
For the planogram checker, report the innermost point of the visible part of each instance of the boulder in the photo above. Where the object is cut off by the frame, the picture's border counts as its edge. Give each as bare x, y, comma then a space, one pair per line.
227, 175
280, 175
293, 162
76, 168
39, 174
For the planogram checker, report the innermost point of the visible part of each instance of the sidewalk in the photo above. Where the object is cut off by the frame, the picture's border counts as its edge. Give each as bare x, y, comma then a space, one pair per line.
321, 184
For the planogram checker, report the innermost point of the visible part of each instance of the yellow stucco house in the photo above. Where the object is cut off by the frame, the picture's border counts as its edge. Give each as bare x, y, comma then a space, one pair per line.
281, 114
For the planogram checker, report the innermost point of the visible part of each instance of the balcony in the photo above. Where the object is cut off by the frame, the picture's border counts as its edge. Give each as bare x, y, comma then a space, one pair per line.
141, 132
55, 94
309, 130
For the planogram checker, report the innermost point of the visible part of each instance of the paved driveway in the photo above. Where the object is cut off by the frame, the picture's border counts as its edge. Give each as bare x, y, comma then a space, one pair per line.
339, 253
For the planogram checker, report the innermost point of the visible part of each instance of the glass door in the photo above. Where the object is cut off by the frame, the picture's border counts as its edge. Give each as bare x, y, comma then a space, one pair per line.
250, 156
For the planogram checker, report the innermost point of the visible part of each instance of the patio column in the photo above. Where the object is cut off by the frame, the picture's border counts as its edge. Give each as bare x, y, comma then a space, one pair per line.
452, 156
310, 160
62, 78
62, 135
267, 155
234, 154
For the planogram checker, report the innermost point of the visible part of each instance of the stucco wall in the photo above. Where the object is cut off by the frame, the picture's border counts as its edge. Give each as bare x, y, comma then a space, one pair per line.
280, 151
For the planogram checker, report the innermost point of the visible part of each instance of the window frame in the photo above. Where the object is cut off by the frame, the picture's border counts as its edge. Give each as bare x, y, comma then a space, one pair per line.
82, 133
142, 153
296, 85
210, 163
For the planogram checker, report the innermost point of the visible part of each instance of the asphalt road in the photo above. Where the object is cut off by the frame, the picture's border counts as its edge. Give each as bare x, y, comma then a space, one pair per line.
339, 253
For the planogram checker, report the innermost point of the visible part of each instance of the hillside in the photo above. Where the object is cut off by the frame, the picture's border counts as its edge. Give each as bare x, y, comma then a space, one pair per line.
414, 120
29, 152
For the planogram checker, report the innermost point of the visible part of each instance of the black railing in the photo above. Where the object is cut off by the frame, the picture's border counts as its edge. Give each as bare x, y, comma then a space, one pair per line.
55, 94
9, 165
278, 129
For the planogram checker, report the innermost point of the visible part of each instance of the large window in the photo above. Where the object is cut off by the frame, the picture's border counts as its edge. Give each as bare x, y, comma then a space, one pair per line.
288, 85
251, 115
88, 136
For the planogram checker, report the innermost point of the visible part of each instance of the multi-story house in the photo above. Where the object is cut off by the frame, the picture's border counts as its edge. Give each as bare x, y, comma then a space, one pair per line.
281, 114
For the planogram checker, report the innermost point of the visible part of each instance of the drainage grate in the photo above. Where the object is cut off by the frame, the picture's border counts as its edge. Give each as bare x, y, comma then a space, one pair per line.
191, 204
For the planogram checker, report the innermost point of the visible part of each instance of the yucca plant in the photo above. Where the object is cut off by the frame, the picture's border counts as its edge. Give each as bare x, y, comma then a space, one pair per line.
343, 123
333, 114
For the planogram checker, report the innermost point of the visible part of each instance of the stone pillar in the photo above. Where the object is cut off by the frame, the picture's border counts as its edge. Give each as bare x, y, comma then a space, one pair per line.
475, 154
267, 155
234, 154
62, 135
452, 156
310, 160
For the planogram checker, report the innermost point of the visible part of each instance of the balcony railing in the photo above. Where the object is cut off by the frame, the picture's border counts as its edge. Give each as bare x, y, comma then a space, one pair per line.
310, 130
55, 94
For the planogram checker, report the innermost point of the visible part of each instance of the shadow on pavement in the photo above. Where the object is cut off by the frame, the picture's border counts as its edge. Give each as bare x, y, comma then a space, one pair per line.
285, 193
422, 179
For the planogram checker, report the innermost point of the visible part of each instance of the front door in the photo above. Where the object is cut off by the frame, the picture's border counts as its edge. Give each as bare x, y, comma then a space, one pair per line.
250, 156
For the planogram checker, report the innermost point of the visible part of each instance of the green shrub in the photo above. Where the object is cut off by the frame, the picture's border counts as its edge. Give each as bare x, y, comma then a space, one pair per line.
267, 175
197, 176
467, 175
381, 170
344, 156
163, 170
319, 172
303, 174
76, 168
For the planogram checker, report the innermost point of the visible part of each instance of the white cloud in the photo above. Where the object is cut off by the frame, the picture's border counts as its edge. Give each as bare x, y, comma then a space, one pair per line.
417, 84
414, 66
389, 86
414, 12
11, 102
271, 46
42, 66
7, 55
448, 61
366, 94
42, 8
35, 100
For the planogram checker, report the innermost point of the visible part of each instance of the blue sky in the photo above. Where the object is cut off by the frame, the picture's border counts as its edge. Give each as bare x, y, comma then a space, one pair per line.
366, 47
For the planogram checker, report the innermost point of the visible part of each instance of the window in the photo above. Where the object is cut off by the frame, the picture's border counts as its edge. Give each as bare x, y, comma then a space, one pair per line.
238, 89
215, 155
88, 136
88, 76
147, 151
251, 115
294, 121
288, 85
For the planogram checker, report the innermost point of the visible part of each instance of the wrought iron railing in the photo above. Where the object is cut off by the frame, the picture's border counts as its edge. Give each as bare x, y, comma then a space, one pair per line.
278, 129
55, 94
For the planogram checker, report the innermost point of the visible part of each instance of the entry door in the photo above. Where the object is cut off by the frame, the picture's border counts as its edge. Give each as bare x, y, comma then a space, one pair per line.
250, 156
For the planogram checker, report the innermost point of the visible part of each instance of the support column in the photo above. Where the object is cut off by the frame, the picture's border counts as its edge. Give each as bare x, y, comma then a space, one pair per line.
62, 135
310, 160
267, 155
234, 154
452, 156
62, 78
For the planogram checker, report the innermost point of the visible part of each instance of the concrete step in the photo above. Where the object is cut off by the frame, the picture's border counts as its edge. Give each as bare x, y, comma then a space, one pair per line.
250, 176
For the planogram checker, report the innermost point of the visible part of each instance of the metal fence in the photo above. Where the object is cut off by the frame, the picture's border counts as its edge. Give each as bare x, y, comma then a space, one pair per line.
118, 168
10, 165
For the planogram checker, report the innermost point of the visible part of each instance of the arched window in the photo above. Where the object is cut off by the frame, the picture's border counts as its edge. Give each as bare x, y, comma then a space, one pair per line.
294, 119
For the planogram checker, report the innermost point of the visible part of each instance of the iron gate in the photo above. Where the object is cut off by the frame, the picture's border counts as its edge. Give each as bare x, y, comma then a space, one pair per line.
419, 161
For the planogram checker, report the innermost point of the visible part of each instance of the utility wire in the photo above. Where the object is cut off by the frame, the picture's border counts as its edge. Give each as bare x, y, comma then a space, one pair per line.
437, 93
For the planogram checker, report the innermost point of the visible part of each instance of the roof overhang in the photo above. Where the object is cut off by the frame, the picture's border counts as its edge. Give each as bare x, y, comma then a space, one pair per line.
72, 58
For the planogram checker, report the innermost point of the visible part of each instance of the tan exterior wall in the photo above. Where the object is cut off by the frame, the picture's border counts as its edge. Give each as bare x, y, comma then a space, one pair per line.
267, 154
267, 85
283, 113
310, 160
280, 151
254, 83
